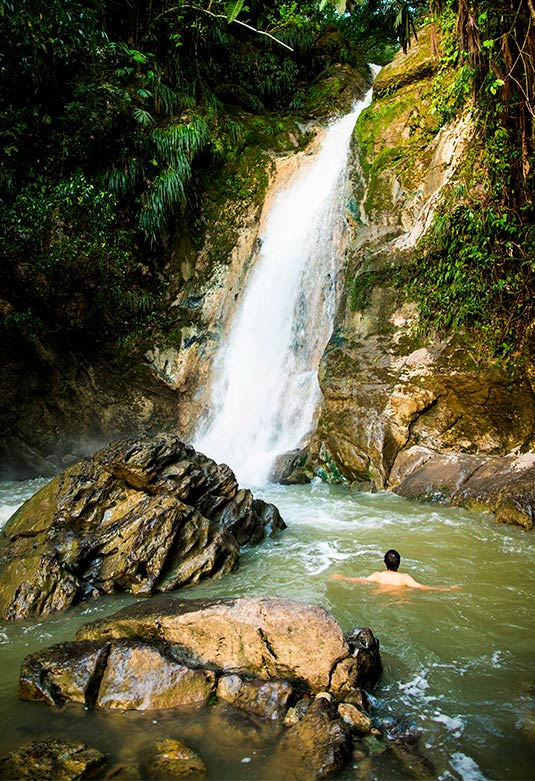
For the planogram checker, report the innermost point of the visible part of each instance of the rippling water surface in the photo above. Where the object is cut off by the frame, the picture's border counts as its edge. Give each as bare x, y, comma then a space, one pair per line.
458, 666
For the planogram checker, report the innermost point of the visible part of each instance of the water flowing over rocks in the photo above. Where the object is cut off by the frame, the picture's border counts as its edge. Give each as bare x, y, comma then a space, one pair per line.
269, 658
143, 516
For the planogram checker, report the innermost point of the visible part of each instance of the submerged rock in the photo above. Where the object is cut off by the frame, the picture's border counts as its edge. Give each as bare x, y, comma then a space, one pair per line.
53, 759
171, 759
141, 515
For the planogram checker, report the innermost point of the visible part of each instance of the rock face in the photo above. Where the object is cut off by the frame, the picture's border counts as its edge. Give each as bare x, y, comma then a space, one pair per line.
504, 485
140, 515
390, 389
272, 659
58, 403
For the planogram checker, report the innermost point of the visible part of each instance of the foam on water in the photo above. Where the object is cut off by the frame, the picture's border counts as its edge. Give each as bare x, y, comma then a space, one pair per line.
454, 724
466, 768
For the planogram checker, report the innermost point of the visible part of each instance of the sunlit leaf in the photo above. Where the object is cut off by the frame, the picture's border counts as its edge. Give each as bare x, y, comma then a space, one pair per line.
233, 9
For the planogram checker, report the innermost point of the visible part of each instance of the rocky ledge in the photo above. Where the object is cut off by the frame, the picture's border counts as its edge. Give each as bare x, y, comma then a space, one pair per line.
144, 516
502, 485
281, 661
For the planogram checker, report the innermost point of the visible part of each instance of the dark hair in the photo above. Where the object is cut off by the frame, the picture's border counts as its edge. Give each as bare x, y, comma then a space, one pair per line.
392, 559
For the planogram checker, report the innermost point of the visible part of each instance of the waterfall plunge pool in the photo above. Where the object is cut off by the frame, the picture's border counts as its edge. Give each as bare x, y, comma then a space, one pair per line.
458, 666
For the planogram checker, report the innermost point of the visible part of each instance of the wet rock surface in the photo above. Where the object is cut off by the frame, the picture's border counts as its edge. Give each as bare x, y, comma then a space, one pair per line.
264, 637
390, 384
173, 759
52, 760
253, 661
504, 485
320, 743
142, 515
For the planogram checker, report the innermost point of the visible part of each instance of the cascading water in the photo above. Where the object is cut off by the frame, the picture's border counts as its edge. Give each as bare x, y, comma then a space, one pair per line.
266, 390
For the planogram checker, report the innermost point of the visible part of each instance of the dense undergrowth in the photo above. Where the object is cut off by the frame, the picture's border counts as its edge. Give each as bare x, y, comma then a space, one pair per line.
117, 118
475, 273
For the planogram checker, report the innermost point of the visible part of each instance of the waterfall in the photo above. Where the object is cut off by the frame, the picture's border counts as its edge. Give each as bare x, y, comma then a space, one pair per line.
266, 391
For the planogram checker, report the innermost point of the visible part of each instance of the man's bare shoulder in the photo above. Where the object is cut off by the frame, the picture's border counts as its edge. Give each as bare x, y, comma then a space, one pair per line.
394, 579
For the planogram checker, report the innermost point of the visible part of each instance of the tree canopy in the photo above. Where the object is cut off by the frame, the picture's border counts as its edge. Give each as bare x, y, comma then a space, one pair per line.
111, 110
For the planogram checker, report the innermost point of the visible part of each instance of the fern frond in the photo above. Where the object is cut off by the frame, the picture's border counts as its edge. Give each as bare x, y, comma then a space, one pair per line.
166, 196
142, 117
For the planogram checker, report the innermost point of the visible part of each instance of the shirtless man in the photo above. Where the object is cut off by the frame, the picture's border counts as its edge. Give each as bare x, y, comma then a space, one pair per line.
392, 577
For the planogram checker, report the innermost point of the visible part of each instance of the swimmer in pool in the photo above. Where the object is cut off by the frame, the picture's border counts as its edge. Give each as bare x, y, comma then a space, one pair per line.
392, 577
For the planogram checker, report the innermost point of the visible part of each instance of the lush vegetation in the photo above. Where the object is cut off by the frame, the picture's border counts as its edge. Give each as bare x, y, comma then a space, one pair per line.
477, 271
118, 117
115, 117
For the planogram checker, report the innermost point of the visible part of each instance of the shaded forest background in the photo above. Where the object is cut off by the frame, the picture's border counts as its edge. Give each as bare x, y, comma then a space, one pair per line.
117, 118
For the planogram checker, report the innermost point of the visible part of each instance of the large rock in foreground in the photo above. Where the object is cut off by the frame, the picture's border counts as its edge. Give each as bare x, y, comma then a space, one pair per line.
168, 652
142, 516
283, 663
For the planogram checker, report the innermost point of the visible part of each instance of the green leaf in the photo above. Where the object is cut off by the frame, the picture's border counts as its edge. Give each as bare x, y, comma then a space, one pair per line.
233, 9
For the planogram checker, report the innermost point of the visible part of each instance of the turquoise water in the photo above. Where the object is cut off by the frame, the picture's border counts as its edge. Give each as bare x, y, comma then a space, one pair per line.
458, 665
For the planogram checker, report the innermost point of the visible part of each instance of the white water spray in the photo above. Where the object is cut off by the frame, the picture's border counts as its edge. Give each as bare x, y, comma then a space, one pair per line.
266, 389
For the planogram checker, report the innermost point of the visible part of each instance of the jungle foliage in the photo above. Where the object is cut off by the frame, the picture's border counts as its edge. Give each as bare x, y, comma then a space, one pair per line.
113, 115
477, 269
116, 115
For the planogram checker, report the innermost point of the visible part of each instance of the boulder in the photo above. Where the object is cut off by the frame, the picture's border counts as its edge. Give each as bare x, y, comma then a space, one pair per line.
53, 759
290, 468
503, 485
141, 515
171, 758
258, 653
264, 664
263, 636
320, 743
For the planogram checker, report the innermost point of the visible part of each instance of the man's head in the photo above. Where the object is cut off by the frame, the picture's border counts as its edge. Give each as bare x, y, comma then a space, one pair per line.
392, 559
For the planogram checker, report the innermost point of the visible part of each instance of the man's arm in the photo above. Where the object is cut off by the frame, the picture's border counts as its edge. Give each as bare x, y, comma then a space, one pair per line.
411, 583
337, 576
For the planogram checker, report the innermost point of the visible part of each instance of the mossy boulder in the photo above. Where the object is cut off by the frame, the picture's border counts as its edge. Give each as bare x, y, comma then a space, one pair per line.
140, 516
53, 759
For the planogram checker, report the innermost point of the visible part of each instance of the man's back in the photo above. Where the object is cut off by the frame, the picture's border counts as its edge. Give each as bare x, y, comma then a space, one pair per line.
396, 579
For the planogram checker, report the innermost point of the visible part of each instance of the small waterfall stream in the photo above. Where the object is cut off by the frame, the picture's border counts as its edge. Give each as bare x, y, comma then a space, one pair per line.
266, 391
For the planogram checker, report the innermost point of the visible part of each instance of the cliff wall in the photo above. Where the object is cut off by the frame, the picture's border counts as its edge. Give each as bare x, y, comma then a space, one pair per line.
395, 395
